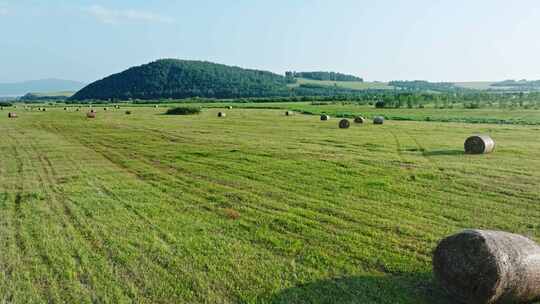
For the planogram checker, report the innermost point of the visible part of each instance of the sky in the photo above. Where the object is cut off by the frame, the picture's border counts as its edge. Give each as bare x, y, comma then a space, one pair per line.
436, 40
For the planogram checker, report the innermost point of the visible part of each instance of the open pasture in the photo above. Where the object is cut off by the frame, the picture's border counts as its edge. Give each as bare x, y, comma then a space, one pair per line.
254, 207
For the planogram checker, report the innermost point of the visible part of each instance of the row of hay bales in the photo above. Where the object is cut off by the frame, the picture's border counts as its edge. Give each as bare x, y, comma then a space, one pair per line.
477, 144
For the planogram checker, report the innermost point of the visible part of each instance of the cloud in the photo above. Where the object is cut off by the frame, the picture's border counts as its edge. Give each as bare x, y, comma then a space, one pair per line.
112, 16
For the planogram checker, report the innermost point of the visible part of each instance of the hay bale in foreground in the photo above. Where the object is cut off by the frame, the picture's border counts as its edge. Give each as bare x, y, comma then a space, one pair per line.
378, 120
344, 124
289, 113
12, 115
221, 114
91, 114
359, 119
325, 117
487, 267
479, 144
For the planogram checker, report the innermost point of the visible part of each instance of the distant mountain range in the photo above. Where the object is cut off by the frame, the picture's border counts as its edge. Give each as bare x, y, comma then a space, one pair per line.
42, 85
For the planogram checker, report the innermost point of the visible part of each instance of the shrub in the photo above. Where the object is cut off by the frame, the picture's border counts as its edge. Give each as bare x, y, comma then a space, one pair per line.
379, 104
184, 110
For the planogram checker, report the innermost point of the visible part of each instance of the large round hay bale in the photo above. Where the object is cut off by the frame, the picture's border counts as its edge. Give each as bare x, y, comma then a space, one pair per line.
221, 114
91, 114
344, 124
359, 119
289, 113
485, 267
378, 120
479, 144
12, 115
325, 117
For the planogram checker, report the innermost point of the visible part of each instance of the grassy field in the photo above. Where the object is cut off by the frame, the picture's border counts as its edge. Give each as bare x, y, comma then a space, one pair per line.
356, 85
492, 115
252, 208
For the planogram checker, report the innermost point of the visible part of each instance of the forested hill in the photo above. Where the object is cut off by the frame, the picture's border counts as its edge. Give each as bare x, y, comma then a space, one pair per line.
173, 78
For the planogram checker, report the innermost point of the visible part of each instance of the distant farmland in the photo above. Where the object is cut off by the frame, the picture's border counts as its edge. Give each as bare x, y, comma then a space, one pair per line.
256, 207
355, 85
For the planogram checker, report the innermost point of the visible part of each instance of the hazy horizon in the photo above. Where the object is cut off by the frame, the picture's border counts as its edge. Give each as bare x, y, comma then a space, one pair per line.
454, 41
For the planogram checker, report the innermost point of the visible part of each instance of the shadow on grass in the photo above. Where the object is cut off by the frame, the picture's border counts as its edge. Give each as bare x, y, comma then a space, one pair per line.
443, 152
417, 288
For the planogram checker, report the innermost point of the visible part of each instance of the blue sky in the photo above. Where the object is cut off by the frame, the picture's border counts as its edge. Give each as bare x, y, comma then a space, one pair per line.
378, 40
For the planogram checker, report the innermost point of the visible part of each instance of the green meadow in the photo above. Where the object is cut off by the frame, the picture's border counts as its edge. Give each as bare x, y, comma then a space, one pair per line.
256, 207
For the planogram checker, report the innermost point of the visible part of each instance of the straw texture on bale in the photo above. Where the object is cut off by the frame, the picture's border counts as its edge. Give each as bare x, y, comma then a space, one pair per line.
344, 124
488, 267
91, 114
221, 114
479, 144
325, 117
378, 120
359, 119
12, 115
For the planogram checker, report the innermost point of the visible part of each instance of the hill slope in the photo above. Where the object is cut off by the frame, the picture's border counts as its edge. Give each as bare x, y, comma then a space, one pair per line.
173, 78
42, 85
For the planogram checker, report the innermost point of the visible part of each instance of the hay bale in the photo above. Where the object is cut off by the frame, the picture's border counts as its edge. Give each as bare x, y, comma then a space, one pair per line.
325, 117
485, 267
12, 115
221, 114
289, 113
359, 119
479, 144
344, 124
378, 120
128, 112
91, 114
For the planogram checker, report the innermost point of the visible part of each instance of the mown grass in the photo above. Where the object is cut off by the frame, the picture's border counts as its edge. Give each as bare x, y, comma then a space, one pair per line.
256, 208
488, 115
